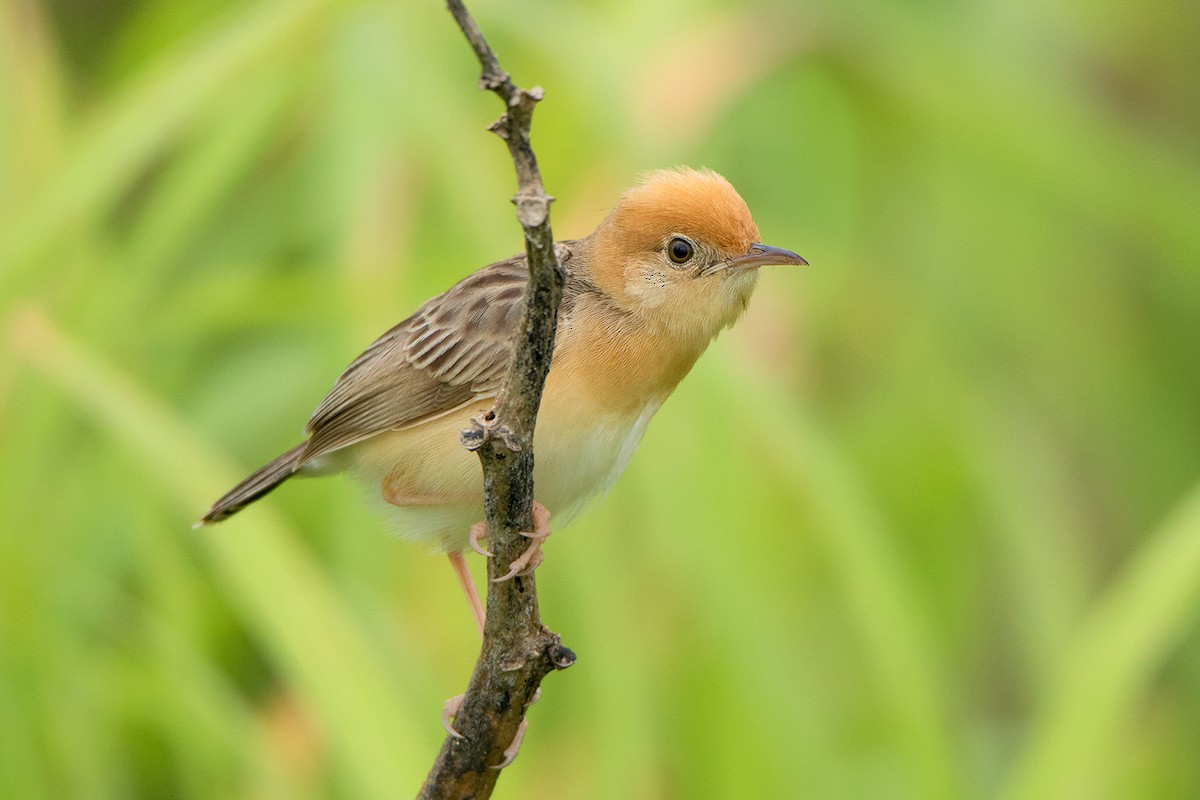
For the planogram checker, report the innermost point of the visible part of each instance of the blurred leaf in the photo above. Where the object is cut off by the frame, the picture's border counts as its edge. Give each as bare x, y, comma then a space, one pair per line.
281, 593
136, 126
1112, 659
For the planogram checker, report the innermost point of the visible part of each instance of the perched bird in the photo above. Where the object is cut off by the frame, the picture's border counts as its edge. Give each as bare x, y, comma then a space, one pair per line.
673, 264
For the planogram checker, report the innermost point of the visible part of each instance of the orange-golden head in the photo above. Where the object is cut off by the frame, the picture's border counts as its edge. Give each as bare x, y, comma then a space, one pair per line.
681, 251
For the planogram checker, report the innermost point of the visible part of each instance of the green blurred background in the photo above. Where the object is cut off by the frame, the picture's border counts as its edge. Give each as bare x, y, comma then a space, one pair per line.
925, 525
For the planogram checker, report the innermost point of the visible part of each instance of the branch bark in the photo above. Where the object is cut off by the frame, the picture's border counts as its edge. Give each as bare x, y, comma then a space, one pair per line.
518, 651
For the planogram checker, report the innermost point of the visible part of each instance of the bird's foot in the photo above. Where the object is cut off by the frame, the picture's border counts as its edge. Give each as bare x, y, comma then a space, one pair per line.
529, 560
514, 747
454, 705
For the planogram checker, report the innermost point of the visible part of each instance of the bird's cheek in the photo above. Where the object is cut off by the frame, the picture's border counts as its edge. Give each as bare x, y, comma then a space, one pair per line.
647, 289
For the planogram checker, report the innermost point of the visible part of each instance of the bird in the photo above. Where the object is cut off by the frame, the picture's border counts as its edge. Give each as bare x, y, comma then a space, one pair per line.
672, 265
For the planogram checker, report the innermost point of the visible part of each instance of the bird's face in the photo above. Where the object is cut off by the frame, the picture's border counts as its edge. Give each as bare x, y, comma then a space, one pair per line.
682, 252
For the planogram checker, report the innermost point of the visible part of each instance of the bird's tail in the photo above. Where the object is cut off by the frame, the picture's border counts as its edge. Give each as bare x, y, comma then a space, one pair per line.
258, 484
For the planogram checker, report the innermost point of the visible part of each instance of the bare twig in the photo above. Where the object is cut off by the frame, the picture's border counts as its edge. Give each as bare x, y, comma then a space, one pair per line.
518, 651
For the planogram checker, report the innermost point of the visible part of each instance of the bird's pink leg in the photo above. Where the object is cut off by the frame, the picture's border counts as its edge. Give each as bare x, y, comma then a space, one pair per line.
468, 586
452, 706
528, 561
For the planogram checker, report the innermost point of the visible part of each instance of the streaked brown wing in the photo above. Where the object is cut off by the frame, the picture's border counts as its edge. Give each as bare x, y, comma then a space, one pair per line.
451, 352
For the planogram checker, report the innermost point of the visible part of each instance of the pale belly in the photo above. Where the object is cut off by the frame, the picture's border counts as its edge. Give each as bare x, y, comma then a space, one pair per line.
579, 459
433, 487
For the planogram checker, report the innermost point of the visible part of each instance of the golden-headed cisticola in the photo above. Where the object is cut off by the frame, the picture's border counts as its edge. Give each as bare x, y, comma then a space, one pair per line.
673, 263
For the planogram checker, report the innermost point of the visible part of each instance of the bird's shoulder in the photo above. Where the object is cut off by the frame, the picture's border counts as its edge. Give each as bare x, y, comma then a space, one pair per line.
452, 351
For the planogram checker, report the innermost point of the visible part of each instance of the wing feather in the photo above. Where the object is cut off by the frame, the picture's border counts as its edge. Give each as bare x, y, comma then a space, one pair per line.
451, 352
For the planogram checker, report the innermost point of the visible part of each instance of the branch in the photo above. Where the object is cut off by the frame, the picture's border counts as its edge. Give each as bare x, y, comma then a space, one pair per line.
518, 651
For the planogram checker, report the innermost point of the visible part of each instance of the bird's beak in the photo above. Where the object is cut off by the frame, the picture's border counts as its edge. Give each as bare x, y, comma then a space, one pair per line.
759, 255
762, 255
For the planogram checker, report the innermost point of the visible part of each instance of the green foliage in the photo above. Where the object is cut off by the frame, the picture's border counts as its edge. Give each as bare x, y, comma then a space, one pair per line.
925, 525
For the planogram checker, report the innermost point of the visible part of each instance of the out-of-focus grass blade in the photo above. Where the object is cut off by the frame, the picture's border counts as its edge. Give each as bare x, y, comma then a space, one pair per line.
884, 610
1112, 658
31, 100
133, 131
1034, 121
202, 175
316, 640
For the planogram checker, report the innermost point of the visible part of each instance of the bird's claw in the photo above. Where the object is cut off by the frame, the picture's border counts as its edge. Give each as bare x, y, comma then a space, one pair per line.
523, 564
449, 711
510, 753
529, 560
478, 534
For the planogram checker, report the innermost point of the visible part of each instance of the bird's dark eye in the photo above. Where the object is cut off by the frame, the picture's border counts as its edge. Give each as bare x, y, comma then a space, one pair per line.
679, 250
